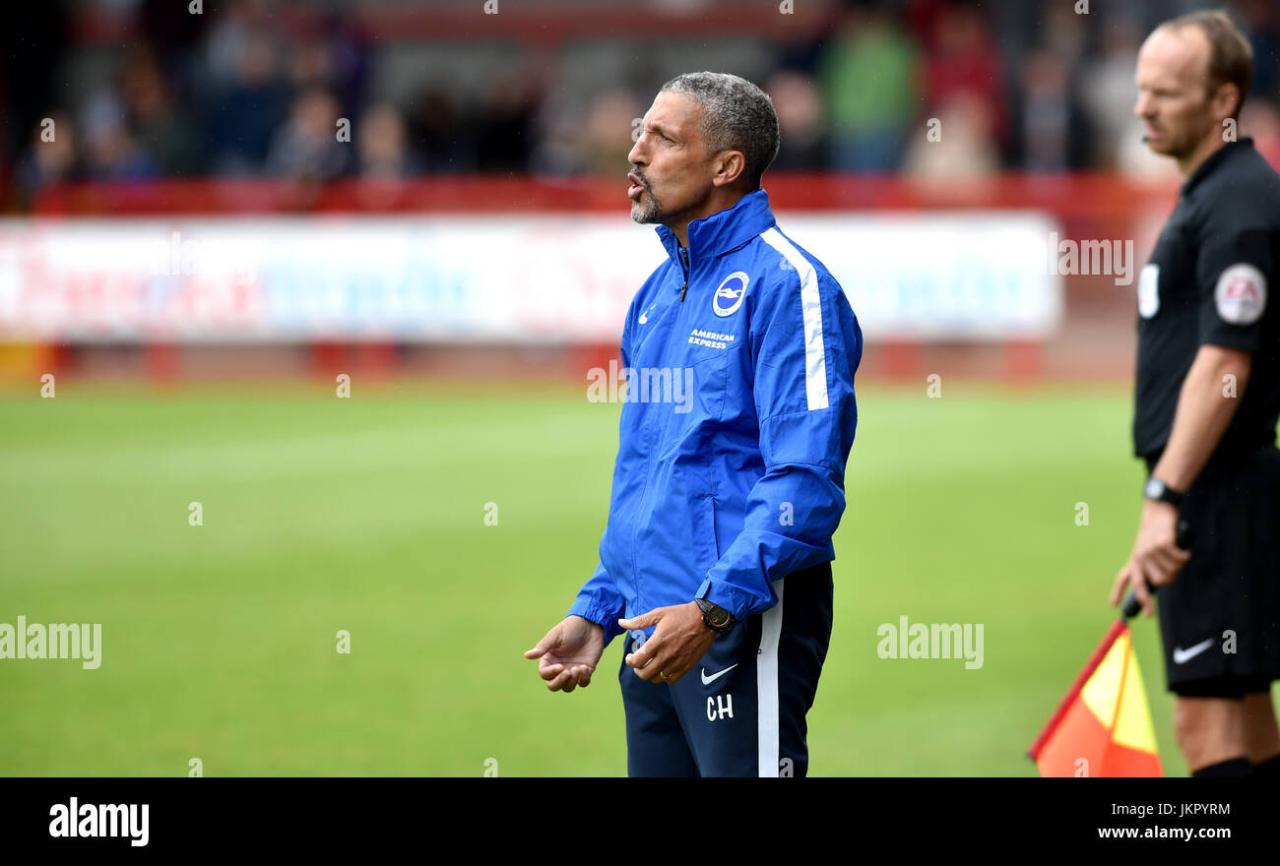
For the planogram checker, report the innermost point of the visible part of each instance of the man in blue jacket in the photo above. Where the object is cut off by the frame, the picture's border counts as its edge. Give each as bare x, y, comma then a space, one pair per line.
716, 557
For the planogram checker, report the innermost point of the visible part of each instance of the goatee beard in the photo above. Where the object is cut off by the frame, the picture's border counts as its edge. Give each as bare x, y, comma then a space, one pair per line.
647, 212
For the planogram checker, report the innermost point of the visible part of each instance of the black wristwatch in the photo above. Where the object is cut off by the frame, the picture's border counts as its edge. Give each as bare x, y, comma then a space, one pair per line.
715, 617
1157, 491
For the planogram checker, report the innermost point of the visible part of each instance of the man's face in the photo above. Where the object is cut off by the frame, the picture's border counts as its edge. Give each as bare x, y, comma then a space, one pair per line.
671, 169
1173, 102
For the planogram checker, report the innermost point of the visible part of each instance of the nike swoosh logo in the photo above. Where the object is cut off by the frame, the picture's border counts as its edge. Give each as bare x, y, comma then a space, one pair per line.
708, 680
644, 317
1185, 655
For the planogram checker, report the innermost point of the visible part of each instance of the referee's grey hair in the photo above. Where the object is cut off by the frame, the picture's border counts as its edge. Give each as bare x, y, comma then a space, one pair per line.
736, 115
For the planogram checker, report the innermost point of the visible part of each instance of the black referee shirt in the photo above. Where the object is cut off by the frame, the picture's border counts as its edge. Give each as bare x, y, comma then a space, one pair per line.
1210, 281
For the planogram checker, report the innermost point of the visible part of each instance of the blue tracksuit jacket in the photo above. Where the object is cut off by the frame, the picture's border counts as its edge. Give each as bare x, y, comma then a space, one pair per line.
724, 488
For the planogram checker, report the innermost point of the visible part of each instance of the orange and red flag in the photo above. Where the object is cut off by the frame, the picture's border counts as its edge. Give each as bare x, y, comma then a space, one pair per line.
1103, 725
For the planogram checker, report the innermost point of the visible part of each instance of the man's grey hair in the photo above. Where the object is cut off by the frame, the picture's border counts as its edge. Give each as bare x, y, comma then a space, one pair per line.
736, 115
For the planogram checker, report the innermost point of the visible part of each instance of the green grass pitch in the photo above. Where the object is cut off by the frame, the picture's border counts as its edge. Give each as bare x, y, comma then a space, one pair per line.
368, 514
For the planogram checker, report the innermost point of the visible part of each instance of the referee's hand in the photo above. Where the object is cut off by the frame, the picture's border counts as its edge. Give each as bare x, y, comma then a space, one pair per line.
1156, 558
568, 654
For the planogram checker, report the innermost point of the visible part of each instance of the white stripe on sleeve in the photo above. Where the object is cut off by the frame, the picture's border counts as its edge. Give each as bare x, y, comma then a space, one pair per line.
815, 358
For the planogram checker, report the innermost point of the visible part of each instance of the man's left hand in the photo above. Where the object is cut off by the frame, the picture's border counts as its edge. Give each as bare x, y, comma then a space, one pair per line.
679, 641
1156, 558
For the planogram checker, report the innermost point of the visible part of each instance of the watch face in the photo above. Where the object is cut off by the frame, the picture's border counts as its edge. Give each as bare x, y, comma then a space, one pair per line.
1154, 488
714, 615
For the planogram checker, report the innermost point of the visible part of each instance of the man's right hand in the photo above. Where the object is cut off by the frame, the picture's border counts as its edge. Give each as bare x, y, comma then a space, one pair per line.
568, 654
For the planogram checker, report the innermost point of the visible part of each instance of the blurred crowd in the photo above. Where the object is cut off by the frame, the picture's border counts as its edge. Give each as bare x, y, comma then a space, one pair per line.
235, 93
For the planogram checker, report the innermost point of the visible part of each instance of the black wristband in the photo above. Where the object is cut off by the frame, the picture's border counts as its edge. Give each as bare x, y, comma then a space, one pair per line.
1157, 491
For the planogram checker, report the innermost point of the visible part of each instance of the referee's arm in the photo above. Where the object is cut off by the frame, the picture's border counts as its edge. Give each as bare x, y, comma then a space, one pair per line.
1206, 404
1234, 268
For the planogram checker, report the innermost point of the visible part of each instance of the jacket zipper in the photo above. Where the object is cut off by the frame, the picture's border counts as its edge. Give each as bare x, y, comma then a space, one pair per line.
653, 448
684, 260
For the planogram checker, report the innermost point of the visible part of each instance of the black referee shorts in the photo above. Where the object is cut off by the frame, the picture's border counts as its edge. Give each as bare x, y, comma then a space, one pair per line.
1220, 618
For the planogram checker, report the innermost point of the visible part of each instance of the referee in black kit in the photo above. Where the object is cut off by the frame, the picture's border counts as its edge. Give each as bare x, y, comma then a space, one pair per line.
1207, 403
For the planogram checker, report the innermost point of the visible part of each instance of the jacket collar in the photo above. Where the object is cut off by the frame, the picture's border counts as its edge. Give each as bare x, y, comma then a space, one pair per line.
723, 231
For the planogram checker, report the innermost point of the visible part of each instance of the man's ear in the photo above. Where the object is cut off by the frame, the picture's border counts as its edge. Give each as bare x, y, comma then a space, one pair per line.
1226, 99
729, 166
